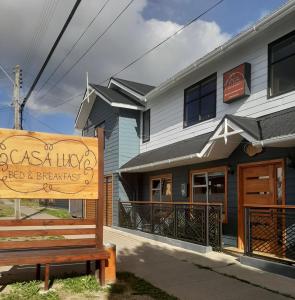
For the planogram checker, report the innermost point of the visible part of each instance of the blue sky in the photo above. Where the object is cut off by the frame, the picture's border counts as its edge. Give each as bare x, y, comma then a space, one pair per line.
231, 16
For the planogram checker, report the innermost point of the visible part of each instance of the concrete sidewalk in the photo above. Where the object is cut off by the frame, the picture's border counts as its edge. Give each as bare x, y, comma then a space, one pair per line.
188, 275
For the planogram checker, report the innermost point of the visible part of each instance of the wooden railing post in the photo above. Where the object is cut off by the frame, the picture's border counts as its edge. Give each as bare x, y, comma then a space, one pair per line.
100, 204
247, 248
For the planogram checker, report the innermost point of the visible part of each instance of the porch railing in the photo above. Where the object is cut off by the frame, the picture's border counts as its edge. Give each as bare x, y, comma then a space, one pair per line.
197, 223
270, 231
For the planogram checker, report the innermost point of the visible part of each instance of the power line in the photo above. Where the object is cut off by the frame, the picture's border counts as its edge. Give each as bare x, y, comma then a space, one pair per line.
148, 51
7, 75
88, 49
74, 45
44, 123
50, 54
164, 41
45, 19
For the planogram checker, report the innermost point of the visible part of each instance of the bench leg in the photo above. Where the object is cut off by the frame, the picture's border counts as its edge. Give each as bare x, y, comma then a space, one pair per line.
46, 279
102, 272
38, 272
88, 267
96, 264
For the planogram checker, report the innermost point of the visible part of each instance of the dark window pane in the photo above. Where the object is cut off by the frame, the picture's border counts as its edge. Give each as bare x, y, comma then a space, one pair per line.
208, 86
156, 184
216, 183
283, 49
156, 195
199, 194
192, 113
282, 76
199, 179
146, 126
192, 94
208, 107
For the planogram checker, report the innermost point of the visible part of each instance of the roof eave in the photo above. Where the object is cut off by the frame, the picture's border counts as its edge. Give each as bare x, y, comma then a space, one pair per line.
234, 42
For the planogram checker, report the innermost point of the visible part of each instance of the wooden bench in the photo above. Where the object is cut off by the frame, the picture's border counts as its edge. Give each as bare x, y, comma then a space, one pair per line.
56, 245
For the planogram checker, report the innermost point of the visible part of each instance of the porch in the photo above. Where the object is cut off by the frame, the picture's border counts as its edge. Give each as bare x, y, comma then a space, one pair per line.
269, 230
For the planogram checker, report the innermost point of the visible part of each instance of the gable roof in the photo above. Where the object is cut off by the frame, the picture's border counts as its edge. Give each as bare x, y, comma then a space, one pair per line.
137, 87
199, 148
114, 97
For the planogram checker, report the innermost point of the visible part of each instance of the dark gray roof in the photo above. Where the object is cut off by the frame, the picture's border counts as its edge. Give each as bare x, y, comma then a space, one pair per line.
249, 125
277, 124
182, 148
268, 126
114, 96
137, 87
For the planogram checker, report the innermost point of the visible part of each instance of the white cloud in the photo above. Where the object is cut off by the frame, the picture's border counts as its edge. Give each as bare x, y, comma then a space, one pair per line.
128, 38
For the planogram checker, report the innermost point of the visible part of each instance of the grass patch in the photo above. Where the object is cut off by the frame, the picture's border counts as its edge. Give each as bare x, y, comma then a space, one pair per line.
6, 210
59, 213
28, 290
30, 203
128, 286
80, 284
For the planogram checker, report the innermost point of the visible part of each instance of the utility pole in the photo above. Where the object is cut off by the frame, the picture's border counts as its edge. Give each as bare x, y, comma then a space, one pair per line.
17, 120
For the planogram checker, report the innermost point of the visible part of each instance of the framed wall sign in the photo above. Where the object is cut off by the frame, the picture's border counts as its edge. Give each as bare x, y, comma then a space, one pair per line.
237, 83
40, 165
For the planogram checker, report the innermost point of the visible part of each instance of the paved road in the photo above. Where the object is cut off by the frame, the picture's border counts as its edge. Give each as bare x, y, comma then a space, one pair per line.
187, 275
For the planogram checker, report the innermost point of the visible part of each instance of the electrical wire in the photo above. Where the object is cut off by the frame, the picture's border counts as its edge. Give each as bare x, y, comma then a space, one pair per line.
74, 45
71, 15
88, 49
163, 41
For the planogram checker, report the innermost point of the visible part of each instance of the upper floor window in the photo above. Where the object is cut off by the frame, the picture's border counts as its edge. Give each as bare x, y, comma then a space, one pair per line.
200, 101
146, 124
281, 65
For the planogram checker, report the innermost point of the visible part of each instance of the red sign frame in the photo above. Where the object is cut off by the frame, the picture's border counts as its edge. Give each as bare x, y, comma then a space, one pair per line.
237, 83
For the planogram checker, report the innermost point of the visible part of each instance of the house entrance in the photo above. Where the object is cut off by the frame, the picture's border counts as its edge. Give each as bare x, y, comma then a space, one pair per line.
260, 184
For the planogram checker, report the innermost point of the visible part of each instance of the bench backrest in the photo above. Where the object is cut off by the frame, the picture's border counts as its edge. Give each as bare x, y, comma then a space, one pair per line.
50, 233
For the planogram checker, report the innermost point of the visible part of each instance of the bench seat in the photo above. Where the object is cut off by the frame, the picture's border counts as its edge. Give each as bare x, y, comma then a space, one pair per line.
61, 255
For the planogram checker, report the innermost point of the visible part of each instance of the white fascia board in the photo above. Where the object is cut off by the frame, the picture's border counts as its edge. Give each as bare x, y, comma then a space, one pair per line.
128, 90
234, 42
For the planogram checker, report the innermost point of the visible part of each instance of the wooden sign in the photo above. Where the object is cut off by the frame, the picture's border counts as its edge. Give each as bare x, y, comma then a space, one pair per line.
237, 83
50, 166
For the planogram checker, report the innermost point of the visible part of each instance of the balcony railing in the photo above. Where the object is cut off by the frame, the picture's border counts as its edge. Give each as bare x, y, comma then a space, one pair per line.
270, 231
197, 223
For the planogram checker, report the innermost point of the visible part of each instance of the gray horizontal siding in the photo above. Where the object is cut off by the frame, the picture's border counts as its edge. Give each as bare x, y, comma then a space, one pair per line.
103, 112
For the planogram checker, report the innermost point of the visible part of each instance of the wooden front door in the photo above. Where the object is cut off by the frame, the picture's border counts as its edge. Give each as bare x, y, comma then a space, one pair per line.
260, 184
108, 200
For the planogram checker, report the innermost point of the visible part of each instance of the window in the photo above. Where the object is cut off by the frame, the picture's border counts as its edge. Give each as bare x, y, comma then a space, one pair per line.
146, 120
281, 69
161, 188
101, 125
200, 101
210, 186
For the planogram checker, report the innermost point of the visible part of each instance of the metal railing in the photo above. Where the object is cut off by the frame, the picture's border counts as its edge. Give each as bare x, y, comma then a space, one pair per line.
270, 231
197, 223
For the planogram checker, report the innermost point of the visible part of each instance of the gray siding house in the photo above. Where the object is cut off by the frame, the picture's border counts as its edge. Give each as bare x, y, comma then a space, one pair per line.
208, 156
115, 108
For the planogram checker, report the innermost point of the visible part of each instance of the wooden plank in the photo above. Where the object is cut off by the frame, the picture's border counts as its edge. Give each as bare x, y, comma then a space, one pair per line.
41, 165
257, 185
47, 222
46, 277
46, 232
47, 244
43, 256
